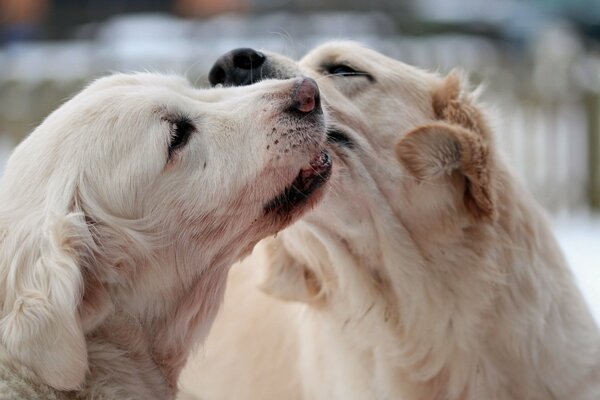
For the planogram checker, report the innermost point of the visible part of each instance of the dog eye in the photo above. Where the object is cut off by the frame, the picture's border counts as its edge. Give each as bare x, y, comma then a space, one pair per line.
181, 130
345, 70
341, 70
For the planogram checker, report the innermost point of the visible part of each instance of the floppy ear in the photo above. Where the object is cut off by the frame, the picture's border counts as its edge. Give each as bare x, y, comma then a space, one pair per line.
459, 141
286, 278
455, 104
432, 151
42, 287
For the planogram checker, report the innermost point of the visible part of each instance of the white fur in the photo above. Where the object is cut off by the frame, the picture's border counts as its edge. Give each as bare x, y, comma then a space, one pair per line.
397, 287
113, 256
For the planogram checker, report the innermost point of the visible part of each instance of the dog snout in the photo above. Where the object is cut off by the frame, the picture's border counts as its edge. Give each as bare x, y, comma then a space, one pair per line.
238, 67
305, 97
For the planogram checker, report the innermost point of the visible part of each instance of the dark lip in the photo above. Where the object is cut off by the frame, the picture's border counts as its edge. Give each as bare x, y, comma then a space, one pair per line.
306, 183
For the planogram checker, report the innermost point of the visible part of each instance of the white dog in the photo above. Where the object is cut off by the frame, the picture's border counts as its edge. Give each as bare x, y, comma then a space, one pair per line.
120, 216
427, 273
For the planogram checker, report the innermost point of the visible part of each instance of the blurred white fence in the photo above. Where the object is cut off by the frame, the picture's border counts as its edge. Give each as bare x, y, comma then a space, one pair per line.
537, 92
547, 143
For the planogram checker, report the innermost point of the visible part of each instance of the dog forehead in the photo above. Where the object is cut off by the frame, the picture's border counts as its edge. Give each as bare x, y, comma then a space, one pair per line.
338, 51
130, 99
131, 80
139, 90
361, 57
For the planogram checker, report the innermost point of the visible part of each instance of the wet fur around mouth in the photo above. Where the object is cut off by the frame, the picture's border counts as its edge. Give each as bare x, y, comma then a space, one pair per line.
300, 190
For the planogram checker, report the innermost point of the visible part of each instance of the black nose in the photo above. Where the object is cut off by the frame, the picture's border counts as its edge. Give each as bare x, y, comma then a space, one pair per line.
239, 67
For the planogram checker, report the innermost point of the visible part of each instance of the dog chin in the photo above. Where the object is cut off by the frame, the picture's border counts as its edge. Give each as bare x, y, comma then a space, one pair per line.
303, 192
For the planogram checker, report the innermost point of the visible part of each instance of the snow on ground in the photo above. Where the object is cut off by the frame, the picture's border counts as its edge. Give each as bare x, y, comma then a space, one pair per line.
578, 235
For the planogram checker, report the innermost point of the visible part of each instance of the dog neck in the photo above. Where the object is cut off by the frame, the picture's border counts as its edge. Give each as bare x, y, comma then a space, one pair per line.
153, 323
438, 300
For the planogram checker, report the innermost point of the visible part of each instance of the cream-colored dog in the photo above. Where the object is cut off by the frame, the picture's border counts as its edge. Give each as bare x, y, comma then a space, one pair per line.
120, 216
428, 272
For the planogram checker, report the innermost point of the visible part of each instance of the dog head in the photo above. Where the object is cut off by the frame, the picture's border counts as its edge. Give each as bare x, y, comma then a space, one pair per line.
411, 153
138, 185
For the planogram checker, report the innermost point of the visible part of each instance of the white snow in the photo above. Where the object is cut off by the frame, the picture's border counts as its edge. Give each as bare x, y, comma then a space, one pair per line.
579, 237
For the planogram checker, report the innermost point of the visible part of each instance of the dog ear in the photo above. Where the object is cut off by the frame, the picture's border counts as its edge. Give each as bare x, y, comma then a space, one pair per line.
42, 286
458, 142
454, 103
286, 278
432, 151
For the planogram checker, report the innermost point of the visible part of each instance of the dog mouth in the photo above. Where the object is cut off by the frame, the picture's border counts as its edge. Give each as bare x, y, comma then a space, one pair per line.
305, 185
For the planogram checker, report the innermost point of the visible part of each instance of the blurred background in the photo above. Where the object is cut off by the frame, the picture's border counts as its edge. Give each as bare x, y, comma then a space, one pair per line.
539, 59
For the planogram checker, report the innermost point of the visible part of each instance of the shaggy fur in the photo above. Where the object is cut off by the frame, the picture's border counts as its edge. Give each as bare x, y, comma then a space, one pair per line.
17, 382
115, 243
428, 272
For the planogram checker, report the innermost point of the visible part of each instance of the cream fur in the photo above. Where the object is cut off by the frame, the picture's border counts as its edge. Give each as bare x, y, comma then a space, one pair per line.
113, 254
427, 273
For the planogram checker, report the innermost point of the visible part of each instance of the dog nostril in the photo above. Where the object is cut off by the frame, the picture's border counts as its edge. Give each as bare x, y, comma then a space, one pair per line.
306, 96
216, 75
247, 58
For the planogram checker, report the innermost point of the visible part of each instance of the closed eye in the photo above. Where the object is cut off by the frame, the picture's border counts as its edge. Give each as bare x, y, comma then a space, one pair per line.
346, 70
340, 70
181, 130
